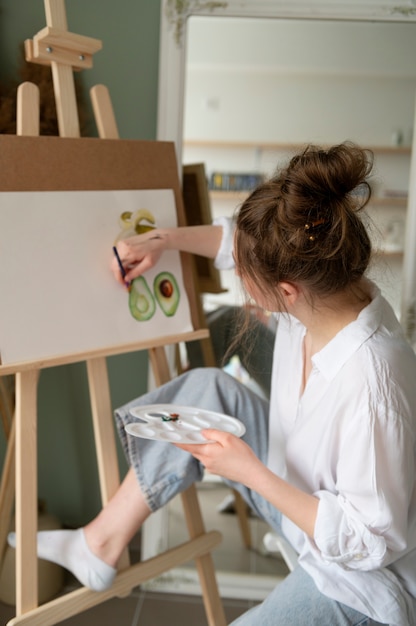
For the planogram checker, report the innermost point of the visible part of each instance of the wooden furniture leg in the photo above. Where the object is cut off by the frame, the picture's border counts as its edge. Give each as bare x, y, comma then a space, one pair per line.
26, 491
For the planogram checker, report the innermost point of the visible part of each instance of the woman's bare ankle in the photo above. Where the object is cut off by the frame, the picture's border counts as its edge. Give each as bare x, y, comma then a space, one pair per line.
102, 547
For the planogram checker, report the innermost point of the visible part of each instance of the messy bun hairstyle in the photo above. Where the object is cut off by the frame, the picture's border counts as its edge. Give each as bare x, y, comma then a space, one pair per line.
304, 224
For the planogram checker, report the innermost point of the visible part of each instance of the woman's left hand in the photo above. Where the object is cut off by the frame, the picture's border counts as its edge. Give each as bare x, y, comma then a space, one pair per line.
228, 456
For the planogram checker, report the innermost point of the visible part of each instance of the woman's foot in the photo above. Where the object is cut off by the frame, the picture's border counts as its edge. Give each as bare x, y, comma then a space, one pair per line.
69, 549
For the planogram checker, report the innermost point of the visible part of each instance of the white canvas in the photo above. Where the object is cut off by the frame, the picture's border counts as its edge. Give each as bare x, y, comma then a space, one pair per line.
58, 295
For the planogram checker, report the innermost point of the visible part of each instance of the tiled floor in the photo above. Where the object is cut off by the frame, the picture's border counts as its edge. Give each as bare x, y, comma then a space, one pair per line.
149, 608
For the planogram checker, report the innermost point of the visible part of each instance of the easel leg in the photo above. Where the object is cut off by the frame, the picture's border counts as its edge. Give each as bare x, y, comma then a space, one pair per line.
105, 441
63, 76
160, 365
204, 564
26, 491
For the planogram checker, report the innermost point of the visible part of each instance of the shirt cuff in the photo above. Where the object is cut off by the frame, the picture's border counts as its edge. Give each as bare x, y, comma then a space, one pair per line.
343, 539
224, 259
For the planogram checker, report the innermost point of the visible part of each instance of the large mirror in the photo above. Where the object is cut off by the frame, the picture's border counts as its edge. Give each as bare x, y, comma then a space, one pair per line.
333, 71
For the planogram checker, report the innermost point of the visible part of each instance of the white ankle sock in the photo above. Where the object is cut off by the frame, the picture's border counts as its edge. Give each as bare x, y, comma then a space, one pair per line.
70, 549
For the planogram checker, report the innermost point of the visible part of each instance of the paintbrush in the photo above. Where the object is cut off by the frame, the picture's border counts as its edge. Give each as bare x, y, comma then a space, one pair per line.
122, 270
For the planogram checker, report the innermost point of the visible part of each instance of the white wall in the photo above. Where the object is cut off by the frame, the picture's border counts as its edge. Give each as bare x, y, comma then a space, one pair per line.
297, 81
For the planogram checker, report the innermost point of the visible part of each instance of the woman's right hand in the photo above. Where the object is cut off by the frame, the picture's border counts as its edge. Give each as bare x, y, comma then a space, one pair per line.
141, 252
138, 254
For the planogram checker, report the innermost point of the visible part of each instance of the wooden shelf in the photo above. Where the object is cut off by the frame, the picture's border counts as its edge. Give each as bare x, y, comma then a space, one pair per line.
217, 194
389, 253
388, 201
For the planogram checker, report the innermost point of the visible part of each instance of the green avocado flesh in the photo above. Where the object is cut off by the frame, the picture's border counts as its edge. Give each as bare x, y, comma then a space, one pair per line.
141, 301
167, 292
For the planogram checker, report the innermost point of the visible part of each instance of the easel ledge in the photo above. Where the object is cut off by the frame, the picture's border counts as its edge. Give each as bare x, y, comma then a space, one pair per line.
170, 340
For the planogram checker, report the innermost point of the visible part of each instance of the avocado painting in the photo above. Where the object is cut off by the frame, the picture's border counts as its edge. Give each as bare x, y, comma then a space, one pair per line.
60, 245
141, 301
166, 292
135, 223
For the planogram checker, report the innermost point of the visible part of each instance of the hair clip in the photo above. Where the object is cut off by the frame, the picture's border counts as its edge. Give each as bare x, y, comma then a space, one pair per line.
314, 224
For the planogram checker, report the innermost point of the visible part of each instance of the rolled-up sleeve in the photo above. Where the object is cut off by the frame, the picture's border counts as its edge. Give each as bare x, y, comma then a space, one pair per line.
224, 259
344, 540
364, 525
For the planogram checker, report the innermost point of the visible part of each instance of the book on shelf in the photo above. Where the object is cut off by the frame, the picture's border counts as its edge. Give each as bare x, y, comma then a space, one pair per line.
226, 181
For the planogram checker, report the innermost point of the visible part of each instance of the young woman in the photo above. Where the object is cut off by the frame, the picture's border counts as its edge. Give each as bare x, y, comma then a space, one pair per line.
330, 461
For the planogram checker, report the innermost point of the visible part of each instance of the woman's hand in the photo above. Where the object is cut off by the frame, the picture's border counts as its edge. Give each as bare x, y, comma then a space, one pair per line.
141, 252
138, 254
228, 456
232, 458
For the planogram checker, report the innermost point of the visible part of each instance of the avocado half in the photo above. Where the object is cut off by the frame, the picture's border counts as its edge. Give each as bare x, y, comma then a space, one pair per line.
141, 301
166, 292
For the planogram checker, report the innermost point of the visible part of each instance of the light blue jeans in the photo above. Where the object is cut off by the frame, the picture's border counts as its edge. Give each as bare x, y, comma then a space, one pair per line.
163, 471
222, 324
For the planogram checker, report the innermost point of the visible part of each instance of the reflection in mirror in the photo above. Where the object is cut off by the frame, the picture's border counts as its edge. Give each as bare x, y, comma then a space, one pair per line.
299, 80
257, 89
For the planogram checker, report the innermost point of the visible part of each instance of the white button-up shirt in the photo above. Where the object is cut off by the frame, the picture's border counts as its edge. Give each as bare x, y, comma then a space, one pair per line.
349, 439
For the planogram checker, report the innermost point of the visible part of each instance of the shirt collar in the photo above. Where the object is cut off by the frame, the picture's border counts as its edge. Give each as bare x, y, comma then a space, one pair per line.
336, 353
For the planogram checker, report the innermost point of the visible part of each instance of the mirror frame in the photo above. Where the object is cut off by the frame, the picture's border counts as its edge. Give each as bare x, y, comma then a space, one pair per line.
170, 125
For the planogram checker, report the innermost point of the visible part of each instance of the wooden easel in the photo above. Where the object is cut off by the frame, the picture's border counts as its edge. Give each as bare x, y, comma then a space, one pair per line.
65, 51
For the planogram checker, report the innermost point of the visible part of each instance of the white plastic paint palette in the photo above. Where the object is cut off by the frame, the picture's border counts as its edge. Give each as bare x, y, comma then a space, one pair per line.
179, 424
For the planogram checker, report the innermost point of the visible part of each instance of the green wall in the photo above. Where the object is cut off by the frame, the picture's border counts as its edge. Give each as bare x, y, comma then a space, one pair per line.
128, 66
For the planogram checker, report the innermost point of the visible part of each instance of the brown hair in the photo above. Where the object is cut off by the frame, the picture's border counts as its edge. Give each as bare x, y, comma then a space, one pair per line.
304, 224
